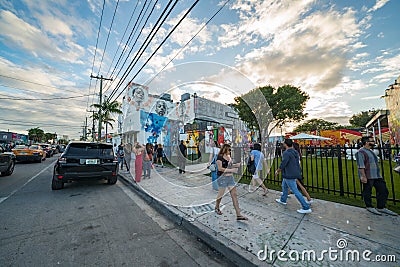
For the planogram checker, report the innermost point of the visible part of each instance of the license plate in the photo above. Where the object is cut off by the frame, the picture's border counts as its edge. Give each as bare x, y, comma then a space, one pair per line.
23, 153
91, 161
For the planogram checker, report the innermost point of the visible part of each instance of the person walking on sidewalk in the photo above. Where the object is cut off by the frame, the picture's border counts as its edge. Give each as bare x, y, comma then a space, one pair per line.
226, 169
290, 168
160, 154
147, 160
182, 153
127, 155
213, 160
138, 150
120, 155
369, 173
259, 160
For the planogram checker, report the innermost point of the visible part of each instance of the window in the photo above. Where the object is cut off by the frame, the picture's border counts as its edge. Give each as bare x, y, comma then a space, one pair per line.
94, 150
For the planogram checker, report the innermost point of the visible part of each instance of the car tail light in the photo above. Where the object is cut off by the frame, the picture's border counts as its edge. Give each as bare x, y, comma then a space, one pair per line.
62, 160
59, 176
114, 174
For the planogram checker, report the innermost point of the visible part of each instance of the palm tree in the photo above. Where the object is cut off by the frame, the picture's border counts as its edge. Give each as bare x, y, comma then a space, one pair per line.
36, 134
107, 109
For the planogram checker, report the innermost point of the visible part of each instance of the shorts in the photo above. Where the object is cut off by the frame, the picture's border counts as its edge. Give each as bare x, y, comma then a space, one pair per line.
225, 181
256, 175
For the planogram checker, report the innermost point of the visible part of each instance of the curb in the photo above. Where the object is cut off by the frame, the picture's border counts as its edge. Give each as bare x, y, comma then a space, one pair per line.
210, 237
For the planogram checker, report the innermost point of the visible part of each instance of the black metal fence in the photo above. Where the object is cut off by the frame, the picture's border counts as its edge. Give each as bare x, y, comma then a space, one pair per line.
333, 169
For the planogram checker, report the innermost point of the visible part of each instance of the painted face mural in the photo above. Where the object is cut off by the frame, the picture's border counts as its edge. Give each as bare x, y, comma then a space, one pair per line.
161, 108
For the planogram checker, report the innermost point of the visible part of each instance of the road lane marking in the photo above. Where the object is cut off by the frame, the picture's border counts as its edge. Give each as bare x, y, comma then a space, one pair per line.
33, 177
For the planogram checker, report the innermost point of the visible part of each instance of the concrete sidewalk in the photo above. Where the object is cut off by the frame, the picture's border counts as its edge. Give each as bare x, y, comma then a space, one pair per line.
333, 235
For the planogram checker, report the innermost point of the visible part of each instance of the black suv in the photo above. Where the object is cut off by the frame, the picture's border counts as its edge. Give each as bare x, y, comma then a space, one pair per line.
83, 161
7, 162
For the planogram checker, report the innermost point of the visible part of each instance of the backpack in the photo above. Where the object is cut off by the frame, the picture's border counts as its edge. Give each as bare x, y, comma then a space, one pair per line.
251, 166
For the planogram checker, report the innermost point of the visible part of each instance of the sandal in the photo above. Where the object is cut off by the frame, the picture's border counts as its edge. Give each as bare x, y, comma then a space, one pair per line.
241, 218
265, 193
218, 211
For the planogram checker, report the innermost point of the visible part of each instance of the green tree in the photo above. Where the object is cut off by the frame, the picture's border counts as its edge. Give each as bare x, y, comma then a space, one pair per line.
50, 136
266, 108
36, 134
107, 110
317, 124
359, 120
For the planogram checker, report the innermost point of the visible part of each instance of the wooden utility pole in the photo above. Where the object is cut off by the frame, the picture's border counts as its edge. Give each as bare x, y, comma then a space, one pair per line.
100, 98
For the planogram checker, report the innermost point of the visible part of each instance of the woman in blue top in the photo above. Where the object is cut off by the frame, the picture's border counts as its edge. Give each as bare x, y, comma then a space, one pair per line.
259, 160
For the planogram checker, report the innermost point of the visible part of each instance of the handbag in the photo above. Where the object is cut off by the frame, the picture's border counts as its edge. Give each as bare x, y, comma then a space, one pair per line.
212, 167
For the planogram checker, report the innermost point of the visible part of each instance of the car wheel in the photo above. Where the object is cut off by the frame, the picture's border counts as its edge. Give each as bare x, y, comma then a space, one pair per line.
10, 169
56, 184
112, 180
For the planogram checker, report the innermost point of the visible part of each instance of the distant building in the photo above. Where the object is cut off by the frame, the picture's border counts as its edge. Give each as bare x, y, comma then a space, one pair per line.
16, 138
392, 99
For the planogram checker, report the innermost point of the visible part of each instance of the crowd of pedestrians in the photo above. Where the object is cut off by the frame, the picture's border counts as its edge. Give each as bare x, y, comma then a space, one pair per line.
222, 169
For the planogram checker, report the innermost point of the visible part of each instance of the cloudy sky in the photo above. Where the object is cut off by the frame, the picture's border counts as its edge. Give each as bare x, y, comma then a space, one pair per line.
344, 54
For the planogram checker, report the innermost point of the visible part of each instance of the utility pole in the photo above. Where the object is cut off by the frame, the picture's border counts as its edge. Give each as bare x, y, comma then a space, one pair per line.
100, 98
93, 127
85, 130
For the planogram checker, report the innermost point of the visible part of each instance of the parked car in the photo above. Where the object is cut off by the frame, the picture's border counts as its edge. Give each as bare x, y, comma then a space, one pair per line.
29, 153
7, 162
85, 161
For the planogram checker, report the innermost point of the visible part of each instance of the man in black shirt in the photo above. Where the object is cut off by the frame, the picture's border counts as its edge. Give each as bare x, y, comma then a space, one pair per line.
182, 157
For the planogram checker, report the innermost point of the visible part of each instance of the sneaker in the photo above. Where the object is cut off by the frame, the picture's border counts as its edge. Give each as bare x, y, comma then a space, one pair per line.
386, 211
303, 211
280, 202
310, 201
373, 210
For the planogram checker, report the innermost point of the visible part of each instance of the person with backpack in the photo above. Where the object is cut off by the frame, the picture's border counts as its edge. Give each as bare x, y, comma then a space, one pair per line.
212, 164
369, 173
259, 161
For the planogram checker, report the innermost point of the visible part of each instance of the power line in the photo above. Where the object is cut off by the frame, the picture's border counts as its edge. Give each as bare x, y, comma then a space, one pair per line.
123, 36
40, 99
22, 80
144, 45
26, 90
134, 30
95, 52
33, 123
165, 39
194, 36
108, 36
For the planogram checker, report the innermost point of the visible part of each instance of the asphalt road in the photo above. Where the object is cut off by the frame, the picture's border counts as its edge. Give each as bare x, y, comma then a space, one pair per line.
88, 224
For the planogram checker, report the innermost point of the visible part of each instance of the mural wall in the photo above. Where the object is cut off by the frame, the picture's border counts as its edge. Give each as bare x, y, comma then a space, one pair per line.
152, 118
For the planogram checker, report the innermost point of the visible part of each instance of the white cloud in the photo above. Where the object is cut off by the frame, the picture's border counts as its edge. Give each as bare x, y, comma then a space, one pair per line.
18, 33
55, 26
188, 28
379, 4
